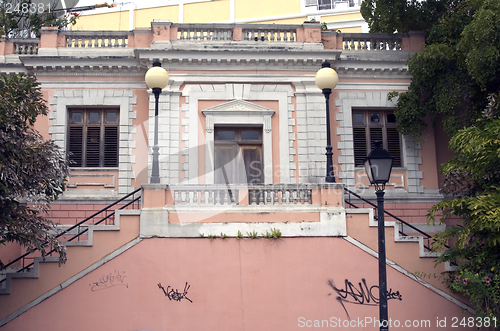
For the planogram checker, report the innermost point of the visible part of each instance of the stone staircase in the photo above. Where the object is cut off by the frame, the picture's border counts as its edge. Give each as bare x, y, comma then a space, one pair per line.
406, 253
21, 290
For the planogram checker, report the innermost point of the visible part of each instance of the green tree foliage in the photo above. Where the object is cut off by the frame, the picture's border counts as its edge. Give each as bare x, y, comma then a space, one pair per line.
32, 170
458, 67
402, 16
473, 176
25, 18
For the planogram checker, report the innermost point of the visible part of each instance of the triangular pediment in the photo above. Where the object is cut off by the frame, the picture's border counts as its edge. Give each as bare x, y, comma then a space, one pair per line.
238, 107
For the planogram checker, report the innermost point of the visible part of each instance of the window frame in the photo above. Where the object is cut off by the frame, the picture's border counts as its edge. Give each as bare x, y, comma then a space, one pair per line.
241, 145
387, 130
104, 142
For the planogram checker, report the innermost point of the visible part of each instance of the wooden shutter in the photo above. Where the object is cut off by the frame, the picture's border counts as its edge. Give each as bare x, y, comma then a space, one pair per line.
93, 146
111, 146
375, 135
75, 146
359, 146
394, 146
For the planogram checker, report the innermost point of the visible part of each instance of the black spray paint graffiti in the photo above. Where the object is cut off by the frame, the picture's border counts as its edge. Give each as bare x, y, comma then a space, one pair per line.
362, 295
175, 295
112, 279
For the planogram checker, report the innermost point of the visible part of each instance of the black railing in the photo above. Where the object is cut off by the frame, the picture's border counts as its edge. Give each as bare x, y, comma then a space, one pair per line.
82, 228
426, 236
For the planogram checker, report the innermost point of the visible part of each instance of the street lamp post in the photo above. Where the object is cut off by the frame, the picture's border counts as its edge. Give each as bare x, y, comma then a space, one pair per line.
378, 166
156, 79
326, 79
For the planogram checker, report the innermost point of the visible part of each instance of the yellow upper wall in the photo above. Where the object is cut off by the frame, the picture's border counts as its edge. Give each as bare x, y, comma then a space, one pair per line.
245, 9
356, 29
207, 12
144, 17
106, 22
342, 17
298, 20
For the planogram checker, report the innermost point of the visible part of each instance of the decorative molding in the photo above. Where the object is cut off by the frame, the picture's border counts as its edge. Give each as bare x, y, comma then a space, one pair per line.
362, 175
122, 99
267, 124
105, 185
209, 123
238, 108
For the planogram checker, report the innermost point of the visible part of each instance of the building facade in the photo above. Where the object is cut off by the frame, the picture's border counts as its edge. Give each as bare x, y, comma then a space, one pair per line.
241, 136
338, 15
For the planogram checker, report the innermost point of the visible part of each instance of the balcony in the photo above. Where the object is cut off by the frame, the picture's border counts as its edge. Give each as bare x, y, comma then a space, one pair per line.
179, 33
197, 210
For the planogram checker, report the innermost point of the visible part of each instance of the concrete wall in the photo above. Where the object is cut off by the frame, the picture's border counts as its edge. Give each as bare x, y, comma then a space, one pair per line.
248, 284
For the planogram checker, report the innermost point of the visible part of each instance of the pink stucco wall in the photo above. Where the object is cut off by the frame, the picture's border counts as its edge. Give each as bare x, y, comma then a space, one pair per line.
248, 284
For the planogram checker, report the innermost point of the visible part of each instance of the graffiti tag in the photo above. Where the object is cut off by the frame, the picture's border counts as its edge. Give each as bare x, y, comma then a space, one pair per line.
175, 295
361, 295
112, 279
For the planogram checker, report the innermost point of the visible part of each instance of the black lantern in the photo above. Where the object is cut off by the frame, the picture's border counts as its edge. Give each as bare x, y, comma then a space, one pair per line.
378, 166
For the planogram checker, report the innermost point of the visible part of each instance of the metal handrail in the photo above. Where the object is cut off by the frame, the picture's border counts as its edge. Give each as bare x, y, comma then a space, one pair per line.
75, 226
426, 235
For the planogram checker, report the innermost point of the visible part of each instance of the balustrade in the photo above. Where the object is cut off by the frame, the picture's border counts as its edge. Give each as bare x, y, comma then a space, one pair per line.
204, 32
371, 41
96, 39
25, 46
203, 195
269, 194
275, 32
279, 194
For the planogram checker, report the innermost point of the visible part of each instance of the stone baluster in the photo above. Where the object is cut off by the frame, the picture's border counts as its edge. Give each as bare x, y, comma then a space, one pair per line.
210, 197
284, 198
308, 196
253, 196
261, 197
217, 197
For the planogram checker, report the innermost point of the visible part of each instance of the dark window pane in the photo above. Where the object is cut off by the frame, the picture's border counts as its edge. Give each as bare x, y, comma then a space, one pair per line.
325, 4
94, 117
391, 118
375, 118
357, 118
249, 135
76, 117
75, 146
225, 135
111, 117
253, 165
